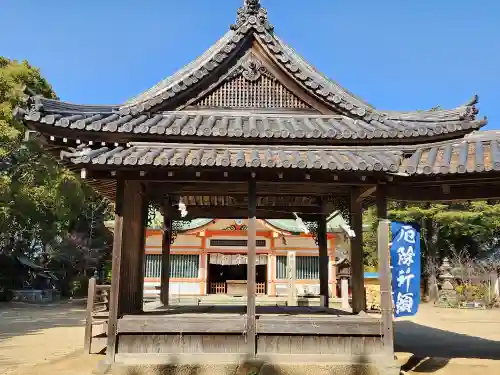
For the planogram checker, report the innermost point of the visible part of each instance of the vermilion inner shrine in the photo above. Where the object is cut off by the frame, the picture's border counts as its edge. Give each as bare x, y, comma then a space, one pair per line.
251, 130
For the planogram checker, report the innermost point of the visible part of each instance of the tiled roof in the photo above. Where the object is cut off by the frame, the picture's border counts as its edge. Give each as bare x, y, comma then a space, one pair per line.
461, 156
238, 124
235, 156
450, 157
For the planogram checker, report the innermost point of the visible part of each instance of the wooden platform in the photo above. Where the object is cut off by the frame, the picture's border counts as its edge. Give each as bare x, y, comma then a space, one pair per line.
197, 334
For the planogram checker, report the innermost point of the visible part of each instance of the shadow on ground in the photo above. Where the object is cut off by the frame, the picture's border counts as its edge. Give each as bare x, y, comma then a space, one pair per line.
433, 348
425, 341
21, 318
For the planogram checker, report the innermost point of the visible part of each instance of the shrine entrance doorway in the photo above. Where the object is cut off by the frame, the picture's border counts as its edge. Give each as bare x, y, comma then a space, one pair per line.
227, 274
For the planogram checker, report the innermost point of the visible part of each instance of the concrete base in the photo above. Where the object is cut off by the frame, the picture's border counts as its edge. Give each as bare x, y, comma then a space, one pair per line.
255, 368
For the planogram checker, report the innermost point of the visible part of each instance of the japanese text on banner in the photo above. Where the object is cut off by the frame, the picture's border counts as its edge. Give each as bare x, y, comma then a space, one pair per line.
405, 261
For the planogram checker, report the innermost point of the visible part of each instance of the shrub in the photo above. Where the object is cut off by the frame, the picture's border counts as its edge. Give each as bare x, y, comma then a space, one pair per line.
79, 286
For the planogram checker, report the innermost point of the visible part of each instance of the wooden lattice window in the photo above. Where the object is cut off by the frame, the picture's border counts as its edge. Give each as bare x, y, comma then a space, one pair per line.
239, 92
260, 288
307, 267
218, 287
182, 266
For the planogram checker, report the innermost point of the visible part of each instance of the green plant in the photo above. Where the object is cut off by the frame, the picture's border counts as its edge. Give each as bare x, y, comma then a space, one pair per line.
79, 286
473, 292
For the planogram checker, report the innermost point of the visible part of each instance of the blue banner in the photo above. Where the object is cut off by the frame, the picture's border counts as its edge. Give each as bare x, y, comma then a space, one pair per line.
405, 262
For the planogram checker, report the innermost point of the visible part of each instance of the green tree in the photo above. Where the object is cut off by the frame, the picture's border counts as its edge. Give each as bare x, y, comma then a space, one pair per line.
41, 202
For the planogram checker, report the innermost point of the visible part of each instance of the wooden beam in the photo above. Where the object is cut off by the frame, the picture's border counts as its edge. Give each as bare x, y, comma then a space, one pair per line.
115, 273
191, 175
165, 257
317, 324
251, 270
229, 212
357, 269
436, 193
366, 192
323, 260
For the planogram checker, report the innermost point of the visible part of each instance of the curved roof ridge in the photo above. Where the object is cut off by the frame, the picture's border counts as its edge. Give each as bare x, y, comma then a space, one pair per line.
464, 111
483, 135
55, 105
467, 111
171, 80
337, 88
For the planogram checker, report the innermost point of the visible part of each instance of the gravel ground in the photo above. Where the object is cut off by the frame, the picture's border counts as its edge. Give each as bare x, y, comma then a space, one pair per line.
31, 336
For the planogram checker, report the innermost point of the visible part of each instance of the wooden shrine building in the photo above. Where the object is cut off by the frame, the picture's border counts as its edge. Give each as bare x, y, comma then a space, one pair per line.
251, 130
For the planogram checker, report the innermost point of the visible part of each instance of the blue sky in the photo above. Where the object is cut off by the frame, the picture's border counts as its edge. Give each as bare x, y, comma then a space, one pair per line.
396, 54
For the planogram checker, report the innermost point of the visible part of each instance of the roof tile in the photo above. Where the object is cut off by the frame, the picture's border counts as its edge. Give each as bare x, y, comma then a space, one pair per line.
206, 124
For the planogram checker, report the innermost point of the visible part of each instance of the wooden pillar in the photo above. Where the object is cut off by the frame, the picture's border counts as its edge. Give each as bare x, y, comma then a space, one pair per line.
384, 271
142, 229
128, 250
251, 270
165, 258
131, 279
333, 268
344, 292
115, 273
323, 261
357, 269
90, 308
291, 275
203, 272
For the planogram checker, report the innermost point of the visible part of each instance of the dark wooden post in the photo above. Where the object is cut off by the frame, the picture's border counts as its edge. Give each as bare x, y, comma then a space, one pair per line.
142, 247
385, 271
381, 201
251, 291
357, 269
115, 272
131, 292
165, 257
323, 261
128, 250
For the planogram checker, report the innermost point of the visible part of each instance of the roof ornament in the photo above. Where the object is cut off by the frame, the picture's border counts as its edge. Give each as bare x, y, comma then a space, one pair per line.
300, 223
253, 69
252, 6
182, 208
254, 15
